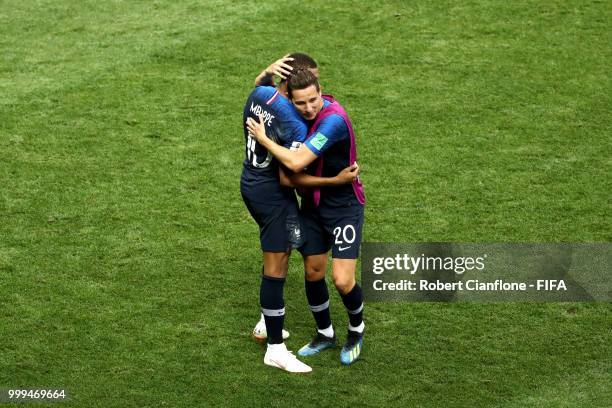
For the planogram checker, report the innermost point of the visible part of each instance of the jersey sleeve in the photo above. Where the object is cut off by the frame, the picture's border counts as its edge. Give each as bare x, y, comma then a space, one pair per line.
331, 130
292, 128
295, 131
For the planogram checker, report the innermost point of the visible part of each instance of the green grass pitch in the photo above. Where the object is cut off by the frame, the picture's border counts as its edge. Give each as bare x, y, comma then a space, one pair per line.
129, 266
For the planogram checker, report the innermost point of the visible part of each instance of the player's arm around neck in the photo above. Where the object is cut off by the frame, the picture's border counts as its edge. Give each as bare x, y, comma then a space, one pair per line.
294, 160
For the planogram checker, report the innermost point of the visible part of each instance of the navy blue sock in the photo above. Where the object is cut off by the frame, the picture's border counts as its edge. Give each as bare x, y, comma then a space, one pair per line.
318, 300
353, 301
273, 307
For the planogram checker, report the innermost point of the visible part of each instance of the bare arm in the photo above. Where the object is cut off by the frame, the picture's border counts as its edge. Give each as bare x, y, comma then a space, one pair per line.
345, 176
294, 160
278, 67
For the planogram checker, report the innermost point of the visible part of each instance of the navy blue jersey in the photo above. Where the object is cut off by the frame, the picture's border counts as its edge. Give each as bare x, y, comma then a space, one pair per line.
332, 141
284, 125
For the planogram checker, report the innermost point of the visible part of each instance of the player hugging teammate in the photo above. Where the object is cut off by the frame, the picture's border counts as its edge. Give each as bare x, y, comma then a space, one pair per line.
312, 131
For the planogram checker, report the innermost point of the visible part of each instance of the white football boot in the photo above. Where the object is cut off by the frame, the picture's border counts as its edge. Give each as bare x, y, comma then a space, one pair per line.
260, 334
278, 356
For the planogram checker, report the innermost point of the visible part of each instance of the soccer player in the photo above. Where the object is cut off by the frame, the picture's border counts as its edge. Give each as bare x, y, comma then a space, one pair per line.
274, 208
332, 215
282, 68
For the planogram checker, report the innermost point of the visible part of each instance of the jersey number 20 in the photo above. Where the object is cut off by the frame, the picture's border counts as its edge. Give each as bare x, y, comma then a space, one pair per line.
347, 233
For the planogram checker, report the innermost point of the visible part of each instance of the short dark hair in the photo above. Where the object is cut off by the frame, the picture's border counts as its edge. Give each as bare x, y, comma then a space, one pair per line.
301, 60
301, 79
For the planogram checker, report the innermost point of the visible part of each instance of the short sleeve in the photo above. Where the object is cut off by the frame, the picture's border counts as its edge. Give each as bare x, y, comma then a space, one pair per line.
331, 130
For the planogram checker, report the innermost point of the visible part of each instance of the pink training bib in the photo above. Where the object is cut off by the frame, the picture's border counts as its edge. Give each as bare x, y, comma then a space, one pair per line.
336, 109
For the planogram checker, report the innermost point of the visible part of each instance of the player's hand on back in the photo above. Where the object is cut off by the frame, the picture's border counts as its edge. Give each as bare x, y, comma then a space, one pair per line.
348, 174
257, 129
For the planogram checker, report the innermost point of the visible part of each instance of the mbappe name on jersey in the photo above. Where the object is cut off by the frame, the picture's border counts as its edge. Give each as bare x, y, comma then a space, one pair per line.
259, 111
